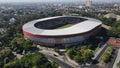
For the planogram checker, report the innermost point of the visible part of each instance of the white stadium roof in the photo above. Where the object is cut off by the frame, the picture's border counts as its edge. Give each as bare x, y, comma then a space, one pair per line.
81, 27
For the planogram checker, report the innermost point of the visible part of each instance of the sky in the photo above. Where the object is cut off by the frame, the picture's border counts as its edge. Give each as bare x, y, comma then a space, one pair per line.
55, 0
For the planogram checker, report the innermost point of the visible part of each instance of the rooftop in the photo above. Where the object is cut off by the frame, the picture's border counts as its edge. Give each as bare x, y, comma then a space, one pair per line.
80, 27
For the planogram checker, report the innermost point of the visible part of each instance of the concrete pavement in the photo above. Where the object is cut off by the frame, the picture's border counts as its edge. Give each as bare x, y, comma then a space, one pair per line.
59, 59
51, 52
61, 63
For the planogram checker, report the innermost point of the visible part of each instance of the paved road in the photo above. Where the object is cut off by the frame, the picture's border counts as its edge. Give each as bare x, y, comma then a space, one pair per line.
61, 63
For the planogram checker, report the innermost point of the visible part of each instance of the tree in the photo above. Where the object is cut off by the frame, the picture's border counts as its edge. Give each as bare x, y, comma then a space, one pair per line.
118, 64
81, 55
14, 64
84, 47
107, 54
78, 59
105, 57
29, 60
70, 53
114, 30
67, 47
87, 55
27, 44
5, 52
56, 49
54, 64
19, 44
6, 60
108, 21
5, 56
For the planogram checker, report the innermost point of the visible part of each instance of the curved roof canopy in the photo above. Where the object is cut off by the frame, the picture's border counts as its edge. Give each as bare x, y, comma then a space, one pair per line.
81, 27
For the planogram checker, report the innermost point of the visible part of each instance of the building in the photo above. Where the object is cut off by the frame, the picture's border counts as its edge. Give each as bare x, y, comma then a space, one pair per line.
61, 30
112, 15
115, 5
88, 3
12, 21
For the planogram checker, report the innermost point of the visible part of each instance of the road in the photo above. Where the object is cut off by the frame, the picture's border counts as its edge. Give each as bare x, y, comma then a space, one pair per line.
61, 63
60, 59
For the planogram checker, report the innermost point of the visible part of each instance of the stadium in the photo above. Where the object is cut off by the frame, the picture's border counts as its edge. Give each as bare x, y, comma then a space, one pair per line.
61, 30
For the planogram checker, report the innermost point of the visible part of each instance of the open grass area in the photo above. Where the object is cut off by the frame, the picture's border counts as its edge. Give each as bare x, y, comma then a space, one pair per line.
62, 27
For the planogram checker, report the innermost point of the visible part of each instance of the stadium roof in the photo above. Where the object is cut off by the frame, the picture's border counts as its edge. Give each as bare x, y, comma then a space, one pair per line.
81, 27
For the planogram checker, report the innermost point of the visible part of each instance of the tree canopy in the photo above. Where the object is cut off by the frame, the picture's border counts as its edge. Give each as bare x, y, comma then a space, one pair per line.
80, 55
36, 60
19, 44
6, 56
118, 64
114, 30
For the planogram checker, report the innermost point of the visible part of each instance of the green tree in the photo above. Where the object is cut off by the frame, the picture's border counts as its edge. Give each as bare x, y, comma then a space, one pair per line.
107, 54
78, 59
71, 53
83, 54
118, 64
84, 47
6, 60
14, 64
19, 44
5, 56
27, 44
56, 49
67, 47
36, 60
105, 57
114, 30
54, 64
87, 55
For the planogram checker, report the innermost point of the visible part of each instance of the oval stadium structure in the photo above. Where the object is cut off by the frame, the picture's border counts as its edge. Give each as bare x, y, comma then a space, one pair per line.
61, 30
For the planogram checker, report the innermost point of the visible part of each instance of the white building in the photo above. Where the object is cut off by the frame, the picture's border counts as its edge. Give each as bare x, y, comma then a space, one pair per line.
89, 3
112, 15
42, 31
12, 20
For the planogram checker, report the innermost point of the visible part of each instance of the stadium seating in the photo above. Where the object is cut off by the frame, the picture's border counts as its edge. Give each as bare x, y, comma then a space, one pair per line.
54, 23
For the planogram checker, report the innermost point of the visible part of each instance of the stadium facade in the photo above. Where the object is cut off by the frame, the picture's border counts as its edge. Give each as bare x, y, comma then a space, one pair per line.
44, 31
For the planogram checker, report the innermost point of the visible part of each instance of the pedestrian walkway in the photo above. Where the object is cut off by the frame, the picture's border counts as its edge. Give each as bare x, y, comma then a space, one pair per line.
105, 26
